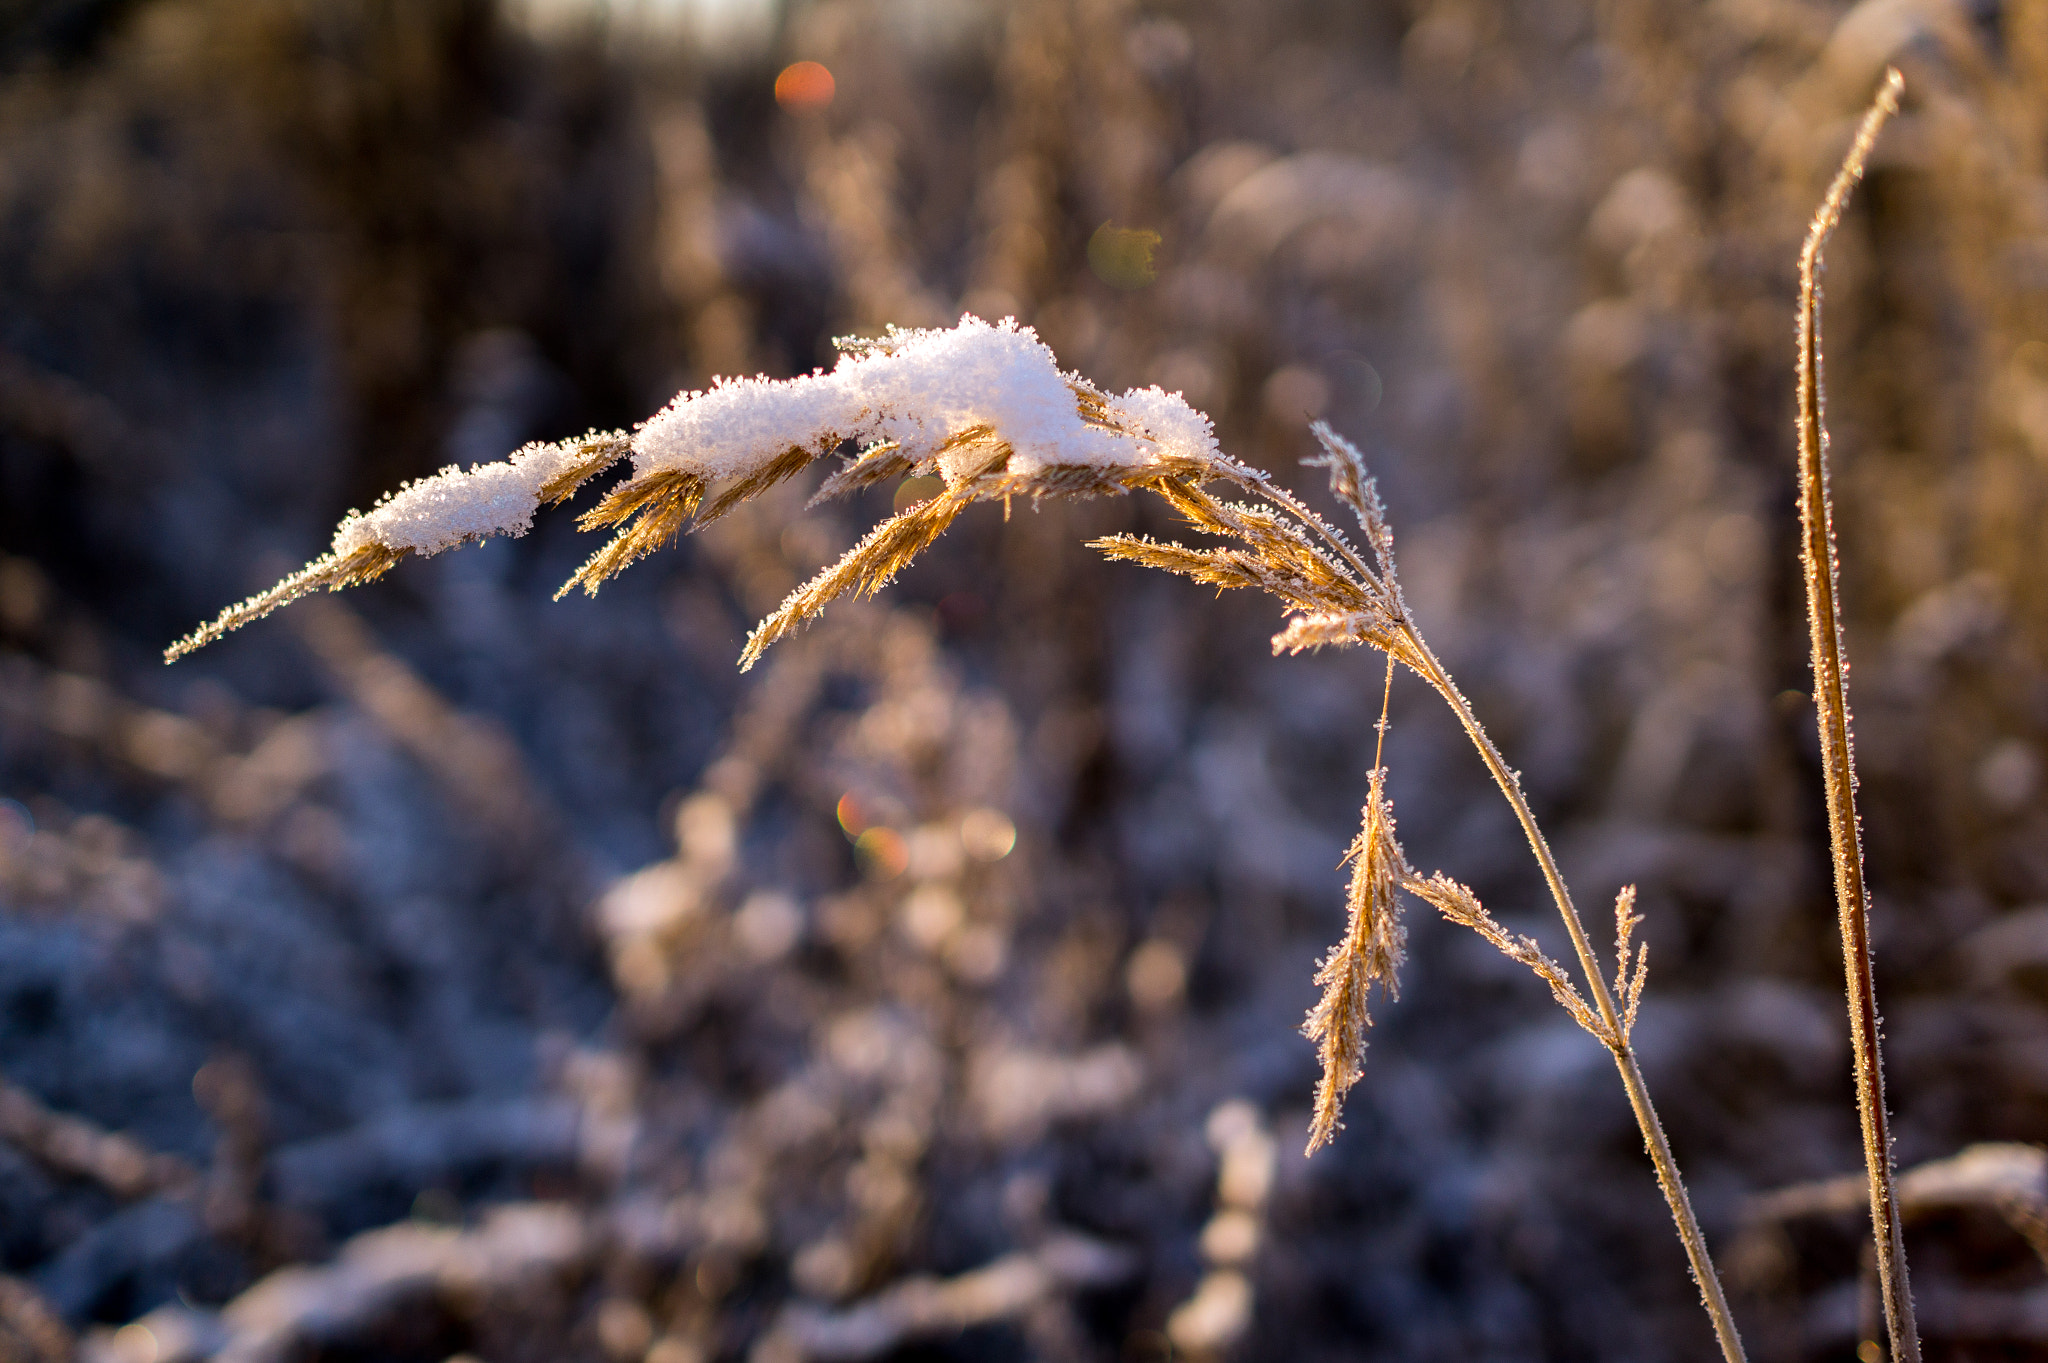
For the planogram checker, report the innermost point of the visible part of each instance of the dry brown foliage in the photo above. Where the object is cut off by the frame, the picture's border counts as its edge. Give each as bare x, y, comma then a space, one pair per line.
1370, 953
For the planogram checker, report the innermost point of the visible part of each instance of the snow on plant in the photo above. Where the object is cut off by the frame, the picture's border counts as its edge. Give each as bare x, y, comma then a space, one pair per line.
983, 406
987, 408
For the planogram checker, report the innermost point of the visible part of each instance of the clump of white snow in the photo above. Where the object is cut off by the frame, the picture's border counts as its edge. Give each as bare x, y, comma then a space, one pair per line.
914, 388
454, 506
1177, 430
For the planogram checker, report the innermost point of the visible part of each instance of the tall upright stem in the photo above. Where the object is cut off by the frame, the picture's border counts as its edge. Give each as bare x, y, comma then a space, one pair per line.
1702, 1262
1831, 706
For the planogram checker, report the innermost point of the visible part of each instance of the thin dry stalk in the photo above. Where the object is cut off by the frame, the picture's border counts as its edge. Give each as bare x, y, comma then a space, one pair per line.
1831, 705
1614, 1020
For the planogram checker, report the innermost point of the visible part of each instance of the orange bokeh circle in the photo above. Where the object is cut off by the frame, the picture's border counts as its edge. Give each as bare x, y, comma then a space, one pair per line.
804, 86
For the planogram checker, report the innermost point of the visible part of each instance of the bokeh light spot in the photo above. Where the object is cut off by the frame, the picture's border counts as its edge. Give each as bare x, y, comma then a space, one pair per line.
987, 834
882, 852
1122, 256
135, 1343
803, 87
17, 825
911, 491
852, 818
1358, 384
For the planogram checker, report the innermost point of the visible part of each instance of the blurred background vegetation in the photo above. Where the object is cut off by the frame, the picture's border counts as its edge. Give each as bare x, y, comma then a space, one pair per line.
442, 971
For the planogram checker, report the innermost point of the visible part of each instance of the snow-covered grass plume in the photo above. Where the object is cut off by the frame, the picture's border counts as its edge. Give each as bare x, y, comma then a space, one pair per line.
984, 406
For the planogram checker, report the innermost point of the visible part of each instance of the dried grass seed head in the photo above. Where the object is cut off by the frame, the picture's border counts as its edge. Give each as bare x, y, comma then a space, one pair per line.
945, 401
1354, 486
1456, 902
1371, 952
1342, 629
1629, 975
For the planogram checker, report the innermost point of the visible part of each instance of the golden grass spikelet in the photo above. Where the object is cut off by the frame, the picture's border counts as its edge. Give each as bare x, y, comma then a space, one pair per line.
867, 567
875, 464
658, 505
636, 494
599, 452
1270, 573
965, 436
1260, 484
879, 463
1197, 507
1628, 983
863, 570
1066, 480
1457, 903
1341, 629
1320, 583
788, 464
1092, 405
1222, 568
1354, 487
1371, 951
365, 564
1325, 586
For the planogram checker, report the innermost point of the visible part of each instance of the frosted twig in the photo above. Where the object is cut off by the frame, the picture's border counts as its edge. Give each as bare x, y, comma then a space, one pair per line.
1831, 709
